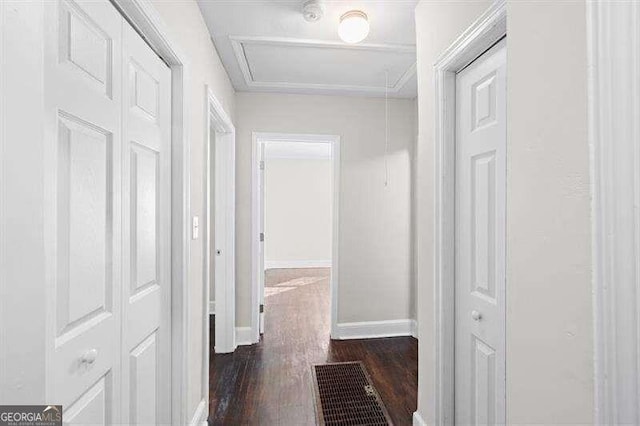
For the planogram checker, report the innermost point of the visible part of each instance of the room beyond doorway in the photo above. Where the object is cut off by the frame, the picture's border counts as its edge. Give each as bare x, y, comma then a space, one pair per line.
297, 205
295, 212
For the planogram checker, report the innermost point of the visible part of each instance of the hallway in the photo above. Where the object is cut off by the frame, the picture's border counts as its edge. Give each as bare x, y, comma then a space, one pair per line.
269, 383
204, 202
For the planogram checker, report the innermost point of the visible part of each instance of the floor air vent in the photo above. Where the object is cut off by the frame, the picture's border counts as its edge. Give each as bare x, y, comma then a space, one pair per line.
345, 396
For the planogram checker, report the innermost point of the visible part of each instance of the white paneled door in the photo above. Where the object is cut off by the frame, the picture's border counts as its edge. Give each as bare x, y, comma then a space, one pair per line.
146, 186
480, 240
108, 179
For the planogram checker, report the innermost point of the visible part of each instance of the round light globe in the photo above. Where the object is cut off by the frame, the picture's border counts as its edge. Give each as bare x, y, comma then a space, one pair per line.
354, 26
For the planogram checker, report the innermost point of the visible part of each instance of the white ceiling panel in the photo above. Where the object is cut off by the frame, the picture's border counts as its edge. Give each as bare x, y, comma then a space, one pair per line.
327, 65
266, 45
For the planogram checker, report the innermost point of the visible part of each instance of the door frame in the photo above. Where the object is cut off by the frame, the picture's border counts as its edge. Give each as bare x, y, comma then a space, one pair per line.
257, 277
488, 29
225, 323
146, 20
614, 105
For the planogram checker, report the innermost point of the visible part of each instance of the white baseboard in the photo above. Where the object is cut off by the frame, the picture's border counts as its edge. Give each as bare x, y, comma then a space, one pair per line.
294, 264
212, 308
375, 329
418, 420
244, 336
200, 415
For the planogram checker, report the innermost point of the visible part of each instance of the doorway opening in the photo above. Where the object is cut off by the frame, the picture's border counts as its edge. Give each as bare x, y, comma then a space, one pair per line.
219, 229
295, 222
469, 258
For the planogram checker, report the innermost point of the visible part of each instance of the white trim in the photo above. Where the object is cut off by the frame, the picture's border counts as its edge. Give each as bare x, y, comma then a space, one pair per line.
224, 179
238, 43
201, 414
4, 240
482, 34
418, 419
245, 336
613, 34
296, 264
297, 156
258, 140
212, 307
292, 150
256, 158
296, 137
143, 16
375, 329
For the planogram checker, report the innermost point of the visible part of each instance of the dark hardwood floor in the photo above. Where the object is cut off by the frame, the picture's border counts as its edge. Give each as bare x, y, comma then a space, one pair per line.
270, 383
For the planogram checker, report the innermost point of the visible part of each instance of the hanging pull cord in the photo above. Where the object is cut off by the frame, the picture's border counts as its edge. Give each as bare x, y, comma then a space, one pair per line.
386, 127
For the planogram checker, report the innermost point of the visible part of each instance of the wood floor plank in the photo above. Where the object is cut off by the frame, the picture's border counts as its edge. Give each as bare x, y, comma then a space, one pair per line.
269, 383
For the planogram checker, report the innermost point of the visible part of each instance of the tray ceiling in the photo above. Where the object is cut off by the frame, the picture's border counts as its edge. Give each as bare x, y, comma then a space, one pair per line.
267, 46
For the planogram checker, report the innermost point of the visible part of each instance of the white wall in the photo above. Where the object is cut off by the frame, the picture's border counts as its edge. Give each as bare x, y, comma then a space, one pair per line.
375, 234
187, 27
298, 201
23, 304
549, 311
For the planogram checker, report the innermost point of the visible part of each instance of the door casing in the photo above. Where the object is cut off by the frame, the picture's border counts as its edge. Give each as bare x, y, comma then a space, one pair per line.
257, 258
221, 140
488, 29
614, 105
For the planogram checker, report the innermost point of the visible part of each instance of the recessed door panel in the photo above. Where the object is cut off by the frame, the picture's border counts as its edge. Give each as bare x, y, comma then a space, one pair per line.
483, 224
480, 240
144, 370
144, 91
483, 385
92, 408
144, 217
85, 217
85, 47
483, 103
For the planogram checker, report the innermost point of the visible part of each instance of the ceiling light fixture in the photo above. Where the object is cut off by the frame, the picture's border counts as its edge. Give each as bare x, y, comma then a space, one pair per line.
354, 26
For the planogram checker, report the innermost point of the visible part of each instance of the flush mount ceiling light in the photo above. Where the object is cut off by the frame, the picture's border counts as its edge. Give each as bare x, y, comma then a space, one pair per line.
354, 26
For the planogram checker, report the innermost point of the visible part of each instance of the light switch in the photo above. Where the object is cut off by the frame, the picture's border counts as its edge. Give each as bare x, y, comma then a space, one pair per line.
195, 228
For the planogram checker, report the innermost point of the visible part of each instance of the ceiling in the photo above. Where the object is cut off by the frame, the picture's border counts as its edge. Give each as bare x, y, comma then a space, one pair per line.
267, 46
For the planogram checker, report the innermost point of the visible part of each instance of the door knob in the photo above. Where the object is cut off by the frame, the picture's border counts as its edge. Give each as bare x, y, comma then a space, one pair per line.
477, 316
89, 357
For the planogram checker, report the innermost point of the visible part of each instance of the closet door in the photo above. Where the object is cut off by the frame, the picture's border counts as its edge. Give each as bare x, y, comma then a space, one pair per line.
146, 237
480, 281
107, 100
82, 101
